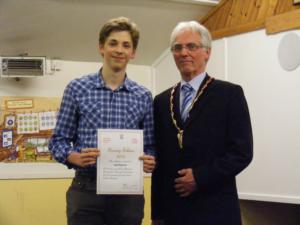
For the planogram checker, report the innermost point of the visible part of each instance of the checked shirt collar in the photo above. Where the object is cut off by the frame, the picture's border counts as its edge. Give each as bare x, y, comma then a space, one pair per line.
126, 85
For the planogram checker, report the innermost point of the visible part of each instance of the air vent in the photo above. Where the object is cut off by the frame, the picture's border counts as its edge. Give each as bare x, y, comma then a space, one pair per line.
22, 66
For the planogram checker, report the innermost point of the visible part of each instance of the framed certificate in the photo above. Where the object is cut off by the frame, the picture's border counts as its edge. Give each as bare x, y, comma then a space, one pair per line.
119, 170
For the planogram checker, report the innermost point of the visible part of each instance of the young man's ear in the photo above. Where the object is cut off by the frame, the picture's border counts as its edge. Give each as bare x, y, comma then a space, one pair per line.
133, 54
101, 51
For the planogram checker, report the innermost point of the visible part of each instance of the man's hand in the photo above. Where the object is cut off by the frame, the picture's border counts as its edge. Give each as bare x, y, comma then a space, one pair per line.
149, 163
185, 185
87, 157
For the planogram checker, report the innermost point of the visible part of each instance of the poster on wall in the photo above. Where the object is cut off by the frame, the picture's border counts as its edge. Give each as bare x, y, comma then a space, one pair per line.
26, 125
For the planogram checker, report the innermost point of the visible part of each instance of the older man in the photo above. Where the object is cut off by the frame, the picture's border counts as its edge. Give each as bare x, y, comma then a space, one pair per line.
203, 136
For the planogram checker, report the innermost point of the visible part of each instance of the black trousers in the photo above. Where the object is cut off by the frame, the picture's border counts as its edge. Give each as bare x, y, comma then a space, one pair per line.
85, 207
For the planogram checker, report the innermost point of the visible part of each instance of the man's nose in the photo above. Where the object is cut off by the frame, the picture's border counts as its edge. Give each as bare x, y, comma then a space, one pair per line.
184, 51
119, 48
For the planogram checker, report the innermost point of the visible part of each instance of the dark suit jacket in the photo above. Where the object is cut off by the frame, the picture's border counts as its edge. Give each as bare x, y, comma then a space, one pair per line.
217, 145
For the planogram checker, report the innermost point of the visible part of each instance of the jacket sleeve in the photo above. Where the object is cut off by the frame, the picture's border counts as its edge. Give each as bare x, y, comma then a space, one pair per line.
157, 175
238, 145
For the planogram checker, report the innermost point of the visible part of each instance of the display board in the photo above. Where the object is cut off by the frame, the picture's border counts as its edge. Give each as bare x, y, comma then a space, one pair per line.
26, 125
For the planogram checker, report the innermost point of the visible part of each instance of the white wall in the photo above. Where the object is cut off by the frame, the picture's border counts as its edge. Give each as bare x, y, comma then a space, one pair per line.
165, 73
273, 97
251, 60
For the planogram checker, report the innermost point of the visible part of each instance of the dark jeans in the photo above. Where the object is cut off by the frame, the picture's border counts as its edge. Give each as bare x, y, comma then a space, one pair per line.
85, 207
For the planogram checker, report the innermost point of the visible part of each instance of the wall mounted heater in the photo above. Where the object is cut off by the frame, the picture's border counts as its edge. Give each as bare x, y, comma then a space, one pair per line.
23, 66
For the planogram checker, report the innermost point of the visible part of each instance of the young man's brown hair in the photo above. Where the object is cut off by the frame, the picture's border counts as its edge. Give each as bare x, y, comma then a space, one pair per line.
120, 24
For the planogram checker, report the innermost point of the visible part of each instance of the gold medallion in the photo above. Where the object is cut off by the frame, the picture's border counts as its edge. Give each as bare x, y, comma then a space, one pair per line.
179, 137
180, 131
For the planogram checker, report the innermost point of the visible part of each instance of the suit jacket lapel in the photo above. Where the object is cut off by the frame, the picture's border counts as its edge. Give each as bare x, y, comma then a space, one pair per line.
177, 114
199, 103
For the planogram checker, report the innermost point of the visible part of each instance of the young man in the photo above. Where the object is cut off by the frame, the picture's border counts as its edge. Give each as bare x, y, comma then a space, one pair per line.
203, 138
105, 99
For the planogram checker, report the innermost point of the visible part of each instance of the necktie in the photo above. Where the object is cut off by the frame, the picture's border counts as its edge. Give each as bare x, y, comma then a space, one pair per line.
187, 91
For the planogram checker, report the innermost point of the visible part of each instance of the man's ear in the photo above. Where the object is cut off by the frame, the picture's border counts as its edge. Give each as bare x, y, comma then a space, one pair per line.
101, 49
133, 54
208, 52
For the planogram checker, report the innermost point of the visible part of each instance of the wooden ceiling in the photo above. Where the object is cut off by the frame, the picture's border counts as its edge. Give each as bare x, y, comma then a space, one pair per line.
232, 17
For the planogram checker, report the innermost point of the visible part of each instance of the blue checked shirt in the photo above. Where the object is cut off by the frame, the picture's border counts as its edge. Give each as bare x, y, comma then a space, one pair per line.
88, 105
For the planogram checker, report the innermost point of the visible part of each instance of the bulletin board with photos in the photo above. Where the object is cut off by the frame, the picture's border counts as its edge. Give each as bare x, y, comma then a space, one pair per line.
26, 125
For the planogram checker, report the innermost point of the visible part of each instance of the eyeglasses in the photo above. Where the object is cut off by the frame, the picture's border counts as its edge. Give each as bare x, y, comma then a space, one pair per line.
191, 47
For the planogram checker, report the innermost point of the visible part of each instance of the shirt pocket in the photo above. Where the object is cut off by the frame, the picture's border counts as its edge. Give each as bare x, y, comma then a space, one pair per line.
134, 116
90, 114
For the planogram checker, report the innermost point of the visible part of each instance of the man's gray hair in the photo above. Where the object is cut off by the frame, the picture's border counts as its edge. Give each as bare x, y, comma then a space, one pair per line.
195, 27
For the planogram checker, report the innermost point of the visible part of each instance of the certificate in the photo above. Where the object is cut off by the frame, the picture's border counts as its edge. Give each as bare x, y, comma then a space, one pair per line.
119, 170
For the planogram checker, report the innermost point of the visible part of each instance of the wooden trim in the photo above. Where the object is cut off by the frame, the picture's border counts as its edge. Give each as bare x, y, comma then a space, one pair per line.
232, 17
213, 11
272, 7
283, 22
238, 29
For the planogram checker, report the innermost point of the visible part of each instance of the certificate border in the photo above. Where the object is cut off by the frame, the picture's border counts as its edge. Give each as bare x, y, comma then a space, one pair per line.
141, 185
